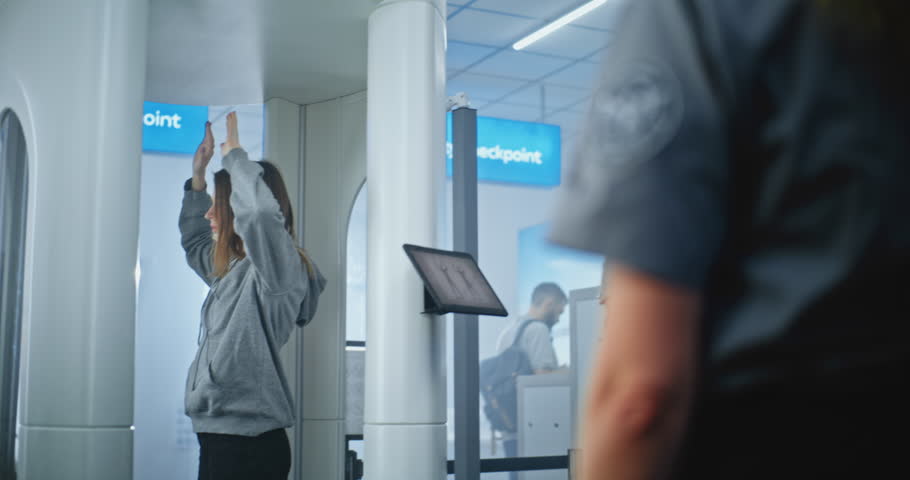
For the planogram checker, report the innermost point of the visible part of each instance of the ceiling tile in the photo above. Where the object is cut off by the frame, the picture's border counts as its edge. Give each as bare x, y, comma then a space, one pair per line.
461, 55
481, 87
564, 97
529, 96
571, 42
527, 66
606, 16
474, 26
581, 107
581, 75
555, 97
543, 9
570, 121
511, 112
598, 57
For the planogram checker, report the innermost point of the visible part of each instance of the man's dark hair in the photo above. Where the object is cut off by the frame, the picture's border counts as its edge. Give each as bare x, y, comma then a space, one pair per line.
547, 290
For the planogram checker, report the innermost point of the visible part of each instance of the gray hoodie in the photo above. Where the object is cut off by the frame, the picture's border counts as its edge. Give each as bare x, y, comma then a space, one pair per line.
236, 384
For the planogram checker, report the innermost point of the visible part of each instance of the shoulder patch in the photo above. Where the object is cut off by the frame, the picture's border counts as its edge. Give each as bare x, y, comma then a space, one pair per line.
636, 110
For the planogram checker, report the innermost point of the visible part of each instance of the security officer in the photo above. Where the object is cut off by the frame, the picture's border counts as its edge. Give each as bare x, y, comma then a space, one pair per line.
745, 168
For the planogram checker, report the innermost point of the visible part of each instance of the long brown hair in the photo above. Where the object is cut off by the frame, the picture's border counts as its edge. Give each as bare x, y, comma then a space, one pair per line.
229, 245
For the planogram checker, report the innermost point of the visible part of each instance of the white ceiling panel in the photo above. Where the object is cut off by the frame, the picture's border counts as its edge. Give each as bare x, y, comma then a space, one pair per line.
481, 87
545, 9
304, 52
581, 75
526, 66
474, 26
565, 97
570, 41
308, 51
604, 17
556, 97
529, 96
567, 86
511, 112
461, 55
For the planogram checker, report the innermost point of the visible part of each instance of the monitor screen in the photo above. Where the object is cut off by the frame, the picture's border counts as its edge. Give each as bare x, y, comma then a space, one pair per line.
454, 282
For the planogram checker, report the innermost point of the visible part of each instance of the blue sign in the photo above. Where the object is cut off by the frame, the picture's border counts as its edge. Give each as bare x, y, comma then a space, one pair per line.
173, 128
510, 151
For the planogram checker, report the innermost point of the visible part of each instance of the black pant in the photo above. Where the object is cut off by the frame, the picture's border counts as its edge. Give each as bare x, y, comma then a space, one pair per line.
236, 457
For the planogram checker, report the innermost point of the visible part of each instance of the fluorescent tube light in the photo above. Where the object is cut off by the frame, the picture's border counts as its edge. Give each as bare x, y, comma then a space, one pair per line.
558, 23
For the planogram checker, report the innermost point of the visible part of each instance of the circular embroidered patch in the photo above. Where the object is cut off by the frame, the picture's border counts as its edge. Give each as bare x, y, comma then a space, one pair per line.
636, 110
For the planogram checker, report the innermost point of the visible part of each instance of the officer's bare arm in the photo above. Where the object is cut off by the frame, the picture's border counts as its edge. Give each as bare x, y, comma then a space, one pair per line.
642, 386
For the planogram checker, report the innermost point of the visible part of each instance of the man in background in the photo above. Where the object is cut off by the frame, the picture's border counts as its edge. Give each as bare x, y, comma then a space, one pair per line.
548, 302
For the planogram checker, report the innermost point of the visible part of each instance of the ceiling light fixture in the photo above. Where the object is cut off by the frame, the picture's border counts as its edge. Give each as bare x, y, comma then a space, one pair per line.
558, 23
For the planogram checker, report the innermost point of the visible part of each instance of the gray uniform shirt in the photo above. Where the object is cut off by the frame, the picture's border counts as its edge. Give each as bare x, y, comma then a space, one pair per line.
236, 384
754, 152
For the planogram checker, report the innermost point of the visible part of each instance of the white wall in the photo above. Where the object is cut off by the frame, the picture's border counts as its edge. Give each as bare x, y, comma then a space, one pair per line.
84, 150
355, 314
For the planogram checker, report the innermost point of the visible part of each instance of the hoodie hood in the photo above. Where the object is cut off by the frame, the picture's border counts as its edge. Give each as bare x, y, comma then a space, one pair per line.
310, 302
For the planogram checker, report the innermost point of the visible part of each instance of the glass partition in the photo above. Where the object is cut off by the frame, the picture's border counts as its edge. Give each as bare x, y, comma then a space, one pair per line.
355, 323
356, 270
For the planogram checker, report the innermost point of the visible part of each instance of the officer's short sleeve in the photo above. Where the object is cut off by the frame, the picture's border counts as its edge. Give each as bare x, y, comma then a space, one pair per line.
649, 176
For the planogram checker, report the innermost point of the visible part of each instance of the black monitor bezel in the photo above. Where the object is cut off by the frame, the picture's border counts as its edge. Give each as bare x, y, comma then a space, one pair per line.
434, 305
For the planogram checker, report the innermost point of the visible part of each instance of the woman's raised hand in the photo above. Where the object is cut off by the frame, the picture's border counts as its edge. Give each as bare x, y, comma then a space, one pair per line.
202, 157
233, 136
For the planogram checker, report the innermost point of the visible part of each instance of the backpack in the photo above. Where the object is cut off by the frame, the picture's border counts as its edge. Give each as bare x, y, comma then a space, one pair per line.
497, 383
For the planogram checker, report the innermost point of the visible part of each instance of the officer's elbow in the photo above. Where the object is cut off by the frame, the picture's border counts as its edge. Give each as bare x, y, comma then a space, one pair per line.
639, 409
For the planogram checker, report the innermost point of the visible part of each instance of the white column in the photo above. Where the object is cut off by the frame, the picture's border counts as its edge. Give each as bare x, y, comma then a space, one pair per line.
81, 66
405, 405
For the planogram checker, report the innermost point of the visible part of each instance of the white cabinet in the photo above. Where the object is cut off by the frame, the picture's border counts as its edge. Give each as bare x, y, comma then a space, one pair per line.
544, 420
